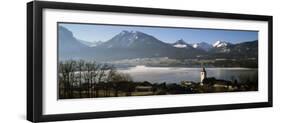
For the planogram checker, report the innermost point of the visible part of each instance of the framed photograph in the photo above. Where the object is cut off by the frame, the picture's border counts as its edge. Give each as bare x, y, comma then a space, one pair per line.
95, 61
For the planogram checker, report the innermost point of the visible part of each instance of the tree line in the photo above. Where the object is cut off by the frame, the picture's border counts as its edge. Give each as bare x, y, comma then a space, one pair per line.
88, 79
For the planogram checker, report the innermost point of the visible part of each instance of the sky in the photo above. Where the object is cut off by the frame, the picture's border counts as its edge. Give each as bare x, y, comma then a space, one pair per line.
98, 32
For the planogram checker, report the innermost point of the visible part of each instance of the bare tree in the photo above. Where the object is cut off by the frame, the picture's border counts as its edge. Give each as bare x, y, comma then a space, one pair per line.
94, 72
118, 79
86, 78
62, 80
80, 68
67, 70
109, 79
101, 75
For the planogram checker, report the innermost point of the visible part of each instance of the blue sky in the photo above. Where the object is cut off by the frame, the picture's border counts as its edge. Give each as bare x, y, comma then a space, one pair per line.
92, 32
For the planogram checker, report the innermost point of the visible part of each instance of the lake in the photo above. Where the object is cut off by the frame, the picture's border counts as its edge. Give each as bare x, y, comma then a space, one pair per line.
178, 74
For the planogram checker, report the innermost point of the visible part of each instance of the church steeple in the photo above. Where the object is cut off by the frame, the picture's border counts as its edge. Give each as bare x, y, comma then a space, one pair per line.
203, 74
203, 69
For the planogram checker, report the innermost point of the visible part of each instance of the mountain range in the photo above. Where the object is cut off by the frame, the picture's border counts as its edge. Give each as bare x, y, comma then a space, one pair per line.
136, 44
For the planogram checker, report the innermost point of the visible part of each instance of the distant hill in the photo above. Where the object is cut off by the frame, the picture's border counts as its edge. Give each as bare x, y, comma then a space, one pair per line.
135, 44
68, 46
90, 44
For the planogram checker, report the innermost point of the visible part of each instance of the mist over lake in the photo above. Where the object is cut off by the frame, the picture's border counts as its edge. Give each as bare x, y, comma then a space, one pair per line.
178, 74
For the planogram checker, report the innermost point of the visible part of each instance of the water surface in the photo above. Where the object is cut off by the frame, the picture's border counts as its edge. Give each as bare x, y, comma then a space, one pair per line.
178, 74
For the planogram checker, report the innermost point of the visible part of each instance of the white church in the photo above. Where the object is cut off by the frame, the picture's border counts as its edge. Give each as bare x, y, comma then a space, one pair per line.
203, 75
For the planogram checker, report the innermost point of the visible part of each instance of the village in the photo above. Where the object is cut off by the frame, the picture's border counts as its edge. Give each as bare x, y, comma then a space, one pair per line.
99, 80
206, 85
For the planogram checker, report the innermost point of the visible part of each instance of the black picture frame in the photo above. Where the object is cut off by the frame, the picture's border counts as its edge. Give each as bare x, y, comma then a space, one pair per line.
35, 69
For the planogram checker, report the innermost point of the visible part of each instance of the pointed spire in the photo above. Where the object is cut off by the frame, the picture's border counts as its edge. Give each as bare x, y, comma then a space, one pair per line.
203, 67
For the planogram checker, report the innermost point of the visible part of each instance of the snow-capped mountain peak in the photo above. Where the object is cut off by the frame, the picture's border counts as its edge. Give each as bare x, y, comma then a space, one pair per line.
202, 46
132, 39
181, 41
180, 44
195, 45
220, 44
